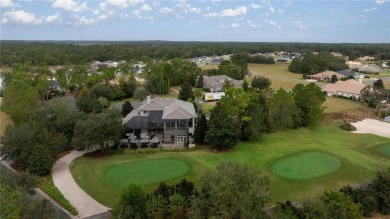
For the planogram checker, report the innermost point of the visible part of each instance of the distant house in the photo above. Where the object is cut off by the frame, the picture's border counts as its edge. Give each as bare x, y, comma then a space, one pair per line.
349, 72
171, 119
370, 69
349, 88
352, 64
326, 76
336, 54
216, 61
366, 58
282, 59
215, 83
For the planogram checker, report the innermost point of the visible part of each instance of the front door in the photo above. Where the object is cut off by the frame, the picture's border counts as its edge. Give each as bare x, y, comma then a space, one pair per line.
181, 140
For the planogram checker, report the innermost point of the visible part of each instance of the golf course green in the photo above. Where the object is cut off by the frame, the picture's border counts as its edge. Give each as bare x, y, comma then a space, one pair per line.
384, 149
300, 163
305, 165
145, 172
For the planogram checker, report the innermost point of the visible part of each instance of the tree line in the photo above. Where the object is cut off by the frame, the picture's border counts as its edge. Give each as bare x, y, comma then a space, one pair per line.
242, 115
63, 52
313, 64
234, 190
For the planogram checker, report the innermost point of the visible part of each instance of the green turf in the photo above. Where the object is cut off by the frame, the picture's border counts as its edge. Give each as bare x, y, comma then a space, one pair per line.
356, 152
384, 149
305, 165
103, 177
145, 172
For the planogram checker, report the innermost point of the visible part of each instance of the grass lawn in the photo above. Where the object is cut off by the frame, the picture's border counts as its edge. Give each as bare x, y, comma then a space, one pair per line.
384, 149
104, 177
278, 74
387, 84
305, 165
334, 104
356, 152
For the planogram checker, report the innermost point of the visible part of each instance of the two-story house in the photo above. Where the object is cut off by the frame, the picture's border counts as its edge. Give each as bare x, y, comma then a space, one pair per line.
172, 119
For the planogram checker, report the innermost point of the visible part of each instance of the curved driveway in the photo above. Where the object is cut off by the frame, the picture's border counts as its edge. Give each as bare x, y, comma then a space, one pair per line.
85, 205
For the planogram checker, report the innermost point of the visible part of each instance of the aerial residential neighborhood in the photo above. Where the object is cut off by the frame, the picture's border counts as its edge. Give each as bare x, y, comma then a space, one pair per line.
194, 109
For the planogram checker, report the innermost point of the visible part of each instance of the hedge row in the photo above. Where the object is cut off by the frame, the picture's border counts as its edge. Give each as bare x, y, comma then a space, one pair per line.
48, 187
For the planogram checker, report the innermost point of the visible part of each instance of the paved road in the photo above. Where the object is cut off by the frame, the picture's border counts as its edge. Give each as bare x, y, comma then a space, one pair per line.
85, 205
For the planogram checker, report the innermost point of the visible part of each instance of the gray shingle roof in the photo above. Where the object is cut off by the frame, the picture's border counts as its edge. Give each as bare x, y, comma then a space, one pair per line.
169, 108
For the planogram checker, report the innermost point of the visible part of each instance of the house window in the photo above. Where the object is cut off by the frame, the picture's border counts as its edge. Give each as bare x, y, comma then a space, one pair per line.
181, 139
182, 124
170, 124
190, 123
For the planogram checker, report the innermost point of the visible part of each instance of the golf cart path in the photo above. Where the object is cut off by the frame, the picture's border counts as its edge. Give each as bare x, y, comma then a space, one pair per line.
63, 180
372, 126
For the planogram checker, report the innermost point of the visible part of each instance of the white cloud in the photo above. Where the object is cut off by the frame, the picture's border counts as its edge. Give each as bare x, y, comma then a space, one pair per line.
273, 23
96, 12
299, 25
83, 21
271, 9
228, 12
20, 17
381, 1
166, 10
288, 3
194, 10
235, 25
252, 24
137, 15
369, 9
255, 6
7, 3
70, 5
233, 12
102, 17
156, 3
135, 2
118, 3
211, 14
146, 7
103, 5
52, 18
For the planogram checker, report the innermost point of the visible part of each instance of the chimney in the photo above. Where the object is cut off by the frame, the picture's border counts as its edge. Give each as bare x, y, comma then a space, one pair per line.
361, 76
148, 99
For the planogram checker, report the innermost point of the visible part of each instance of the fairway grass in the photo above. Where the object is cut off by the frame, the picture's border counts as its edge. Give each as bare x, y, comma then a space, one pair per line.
384, 149
305, 165
104, 177
145, 172
356, 152
335, 104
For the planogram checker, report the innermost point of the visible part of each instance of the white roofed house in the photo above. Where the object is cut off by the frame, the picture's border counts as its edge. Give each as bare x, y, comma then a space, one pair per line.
349, 88
215, 83
171, 119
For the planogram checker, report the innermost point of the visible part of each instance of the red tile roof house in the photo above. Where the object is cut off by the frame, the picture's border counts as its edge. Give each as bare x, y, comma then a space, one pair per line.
326, 76
349, 88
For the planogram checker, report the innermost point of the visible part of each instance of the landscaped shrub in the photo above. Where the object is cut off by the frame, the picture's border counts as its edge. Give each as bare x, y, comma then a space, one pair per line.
48, 187
347, 126
383, 113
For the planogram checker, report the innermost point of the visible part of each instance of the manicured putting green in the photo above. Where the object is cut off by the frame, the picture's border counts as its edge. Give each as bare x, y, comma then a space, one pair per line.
145, 172
305, 165
384, 149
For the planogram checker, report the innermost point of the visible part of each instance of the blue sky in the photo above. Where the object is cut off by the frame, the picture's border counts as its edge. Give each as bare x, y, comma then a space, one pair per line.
365, 21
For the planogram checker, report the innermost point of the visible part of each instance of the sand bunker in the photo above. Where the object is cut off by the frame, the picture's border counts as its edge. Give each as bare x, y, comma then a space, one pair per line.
372, 126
